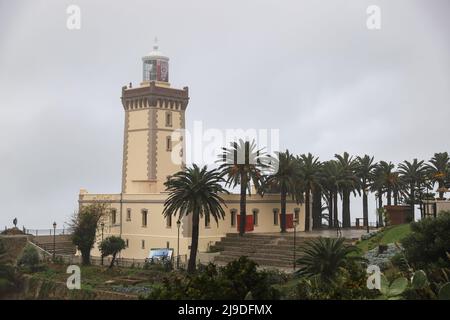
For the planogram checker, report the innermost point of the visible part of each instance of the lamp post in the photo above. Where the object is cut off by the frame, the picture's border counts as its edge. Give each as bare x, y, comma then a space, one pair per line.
178, 244
295, 242
102, 225
54, 240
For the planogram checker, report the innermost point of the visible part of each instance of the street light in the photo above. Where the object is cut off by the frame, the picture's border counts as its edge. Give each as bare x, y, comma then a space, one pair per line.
178, 244
54, 240
295, 241
102, 225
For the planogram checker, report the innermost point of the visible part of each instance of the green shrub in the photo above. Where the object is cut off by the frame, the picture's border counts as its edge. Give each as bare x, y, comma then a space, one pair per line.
29, 258
237, 280
429, 241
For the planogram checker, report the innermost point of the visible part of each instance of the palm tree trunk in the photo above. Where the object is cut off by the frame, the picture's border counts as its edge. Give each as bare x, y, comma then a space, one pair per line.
389, 195
307, 210
395, 197
243, 202
380, 206
330, 210
194, 242
365, 209
441, 194
346, 209
283, 209
413, 200
335, 208
317, 208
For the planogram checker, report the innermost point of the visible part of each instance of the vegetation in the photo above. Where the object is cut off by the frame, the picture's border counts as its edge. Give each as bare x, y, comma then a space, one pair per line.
29, 258
241, 164
284, 180
84, 224
391, 234
111, 246
326, 258
429, 242
195, 191
237, 280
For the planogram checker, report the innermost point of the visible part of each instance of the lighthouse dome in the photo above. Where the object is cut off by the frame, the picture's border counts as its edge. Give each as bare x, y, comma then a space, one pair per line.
155, 66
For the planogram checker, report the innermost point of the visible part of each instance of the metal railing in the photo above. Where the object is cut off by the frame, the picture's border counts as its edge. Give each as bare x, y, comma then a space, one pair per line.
48, 232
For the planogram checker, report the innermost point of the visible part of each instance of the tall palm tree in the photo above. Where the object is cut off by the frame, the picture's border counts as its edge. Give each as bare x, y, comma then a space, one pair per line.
242, 163
349, 184
331, 179
413, 173
365, 169
377, 186
195, 191
309, 172
286, 180
386, 177
438, 169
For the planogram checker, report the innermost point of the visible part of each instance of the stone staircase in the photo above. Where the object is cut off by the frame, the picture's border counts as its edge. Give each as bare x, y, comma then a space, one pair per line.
63, 244
268, 250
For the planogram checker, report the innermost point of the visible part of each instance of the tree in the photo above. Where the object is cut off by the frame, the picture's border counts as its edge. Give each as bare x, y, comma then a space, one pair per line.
331, 179
325, 258
438, 170
195, 191
111, 246
309, 173
349, 183
242, 163
364, 172
285, 179
413, 173
84, 224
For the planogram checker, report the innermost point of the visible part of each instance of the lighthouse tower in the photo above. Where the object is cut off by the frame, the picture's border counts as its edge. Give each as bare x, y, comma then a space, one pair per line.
154, 114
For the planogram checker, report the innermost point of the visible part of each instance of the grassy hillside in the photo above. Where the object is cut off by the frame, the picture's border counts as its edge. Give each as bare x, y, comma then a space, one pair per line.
388, 235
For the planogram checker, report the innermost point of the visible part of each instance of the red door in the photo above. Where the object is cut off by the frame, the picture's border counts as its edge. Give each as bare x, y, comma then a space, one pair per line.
289, 220
248, 223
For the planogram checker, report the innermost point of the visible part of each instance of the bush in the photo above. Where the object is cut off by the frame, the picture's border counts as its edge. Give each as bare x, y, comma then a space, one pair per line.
112, 246
234, 281
29, 258
429, 241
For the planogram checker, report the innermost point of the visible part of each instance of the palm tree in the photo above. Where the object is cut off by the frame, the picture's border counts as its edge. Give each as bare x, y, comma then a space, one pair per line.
438, 170
386, 178
325, 258
242, 163
364, 172
196, 191
309, 173
286, 180
377, 186
349, 183
331, 178
413, 173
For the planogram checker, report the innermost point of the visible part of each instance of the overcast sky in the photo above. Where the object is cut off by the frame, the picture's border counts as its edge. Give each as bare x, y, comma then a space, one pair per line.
309, 68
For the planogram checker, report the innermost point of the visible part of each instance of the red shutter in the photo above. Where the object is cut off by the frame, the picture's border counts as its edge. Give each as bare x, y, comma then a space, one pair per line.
289, 220
248, 223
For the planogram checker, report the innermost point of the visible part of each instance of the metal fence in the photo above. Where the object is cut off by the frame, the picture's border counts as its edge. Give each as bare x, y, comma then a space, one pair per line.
137, 263
48, 232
